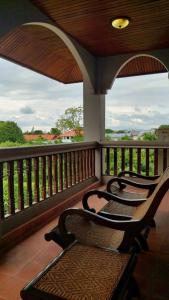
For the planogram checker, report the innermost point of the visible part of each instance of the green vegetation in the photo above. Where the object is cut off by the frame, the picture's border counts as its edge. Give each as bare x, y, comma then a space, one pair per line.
163, 126
10, 131
55, 130
149, 136
71, 120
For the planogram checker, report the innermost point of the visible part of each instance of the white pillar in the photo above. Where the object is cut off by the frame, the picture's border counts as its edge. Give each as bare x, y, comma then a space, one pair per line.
94, 115
94, 122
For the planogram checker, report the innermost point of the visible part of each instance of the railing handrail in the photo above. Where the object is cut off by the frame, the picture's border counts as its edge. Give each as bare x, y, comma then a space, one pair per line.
17, 153
135, 144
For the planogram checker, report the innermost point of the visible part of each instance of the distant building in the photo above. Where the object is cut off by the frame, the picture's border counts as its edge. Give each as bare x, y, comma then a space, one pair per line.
68, 135
45, 136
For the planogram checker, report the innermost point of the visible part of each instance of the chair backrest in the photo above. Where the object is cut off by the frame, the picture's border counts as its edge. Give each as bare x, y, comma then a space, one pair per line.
150, 206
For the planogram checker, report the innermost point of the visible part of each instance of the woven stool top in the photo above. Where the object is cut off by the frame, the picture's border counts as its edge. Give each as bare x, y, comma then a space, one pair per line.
84, 272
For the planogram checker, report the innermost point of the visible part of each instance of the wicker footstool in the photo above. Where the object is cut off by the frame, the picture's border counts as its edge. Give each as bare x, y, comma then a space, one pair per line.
81, 273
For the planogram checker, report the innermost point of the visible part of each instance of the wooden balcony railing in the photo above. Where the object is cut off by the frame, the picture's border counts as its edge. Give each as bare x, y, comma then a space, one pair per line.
147, 158
29, 175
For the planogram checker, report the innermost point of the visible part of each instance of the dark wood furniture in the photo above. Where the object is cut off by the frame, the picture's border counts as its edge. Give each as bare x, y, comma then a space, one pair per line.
85, 272
110, 230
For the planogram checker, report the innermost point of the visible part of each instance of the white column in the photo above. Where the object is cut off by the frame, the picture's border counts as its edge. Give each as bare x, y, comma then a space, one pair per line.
94, 115
94, 122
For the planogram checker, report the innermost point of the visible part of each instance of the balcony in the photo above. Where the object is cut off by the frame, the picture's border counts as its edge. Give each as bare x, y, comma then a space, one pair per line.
37, 183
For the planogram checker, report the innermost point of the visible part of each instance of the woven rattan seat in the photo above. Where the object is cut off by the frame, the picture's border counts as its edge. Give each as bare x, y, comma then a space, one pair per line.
80, 273
87, 232
118, 208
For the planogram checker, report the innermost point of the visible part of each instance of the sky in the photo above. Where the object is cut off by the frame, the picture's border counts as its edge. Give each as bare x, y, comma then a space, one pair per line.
33, 100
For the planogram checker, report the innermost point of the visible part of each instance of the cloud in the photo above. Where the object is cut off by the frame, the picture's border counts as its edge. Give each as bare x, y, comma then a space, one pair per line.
115, 122
137, 120
139, 102
27, 110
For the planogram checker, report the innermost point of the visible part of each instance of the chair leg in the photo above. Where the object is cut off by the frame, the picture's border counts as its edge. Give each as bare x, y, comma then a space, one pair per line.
152, 223
143, 242
133, 290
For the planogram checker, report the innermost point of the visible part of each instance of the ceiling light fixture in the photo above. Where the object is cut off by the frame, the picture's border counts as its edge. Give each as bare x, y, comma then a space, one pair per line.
120, 22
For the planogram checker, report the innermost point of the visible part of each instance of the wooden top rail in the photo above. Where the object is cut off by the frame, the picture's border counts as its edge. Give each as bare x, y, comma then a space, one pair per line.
135, 144
16, 153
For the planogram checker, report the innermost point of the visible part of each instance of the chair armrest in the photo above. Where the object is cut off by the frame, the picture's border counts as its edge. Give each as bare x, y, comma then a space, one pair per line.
109, 197
126, 181
101, 194
125, 225
114, 216
133, 174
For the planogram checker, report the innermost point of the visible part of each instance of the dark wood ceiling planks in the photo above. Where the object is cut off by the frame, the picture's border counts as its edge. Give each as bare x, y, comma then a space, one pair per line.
89, 22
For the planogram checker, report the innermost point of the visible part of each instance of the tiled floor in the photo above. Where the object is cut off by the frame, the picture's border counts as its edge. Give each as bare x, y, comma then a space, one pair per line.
25, 260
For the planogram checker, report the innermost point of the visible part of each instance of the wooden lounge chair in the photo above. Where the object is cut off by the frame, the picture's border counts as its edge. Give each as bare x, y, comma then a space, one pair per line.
144, 184
123, 202
85, 272
107, 230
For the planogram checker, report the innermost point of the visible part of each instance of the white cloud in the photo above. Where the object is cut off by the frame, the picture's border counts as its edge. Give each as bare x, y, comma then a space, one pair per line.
134, 102
136, 120
115, 122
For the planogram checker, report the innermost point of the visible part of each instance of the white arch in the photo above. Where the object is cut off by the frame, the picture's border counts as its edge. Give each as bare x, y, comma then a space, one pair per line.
84, 59
125, 61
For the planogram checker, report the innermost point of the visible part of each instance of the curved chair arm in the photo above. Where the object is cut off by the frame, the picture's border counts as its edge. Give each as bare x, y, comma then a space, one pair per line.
109, 197
126, 181
110, 216
125, 225
133, 174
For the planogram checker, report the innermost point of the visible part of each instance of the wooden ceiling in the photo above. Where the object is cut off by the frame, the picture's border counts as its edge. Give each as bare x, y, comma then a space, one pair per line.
89, 22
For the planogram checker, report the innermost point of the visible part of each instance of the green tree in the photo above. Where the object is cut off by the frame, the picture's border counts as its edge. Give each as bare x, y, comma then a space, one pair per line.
55, 130
10, 131
38, 131
149, 136
163, 126
71, 120
108, 130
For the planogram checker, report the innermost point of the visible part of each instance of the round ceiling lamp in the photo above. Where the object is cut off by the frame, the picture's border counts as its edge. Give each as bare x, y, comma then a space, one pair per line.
120, 22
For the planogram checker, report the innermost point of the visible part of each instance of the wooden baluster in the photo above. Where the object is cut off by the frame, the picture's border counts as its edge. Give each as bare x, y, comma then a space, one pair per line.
50, 190
164, 159
78, 166
55, 173
66, 170
74, 166
147, 162
20, 184
93, 162
84, 164
2, 209
123, 159
89, 163
29, 180
138, 160
43, 163
155, 161
107, 161
70, 168
81, 165
115, 161
131, 159
10, 168
61, 171
36, 186
87, 158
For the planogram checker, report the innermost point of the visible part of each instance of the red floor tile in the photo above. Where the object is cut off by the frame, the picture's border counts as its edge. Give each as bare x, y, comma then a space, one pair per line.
19, 265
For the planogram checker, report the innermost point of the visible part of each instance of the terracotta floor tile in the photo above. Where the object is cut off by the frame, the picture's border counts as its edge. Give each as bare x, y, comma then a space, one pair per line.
23, 262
